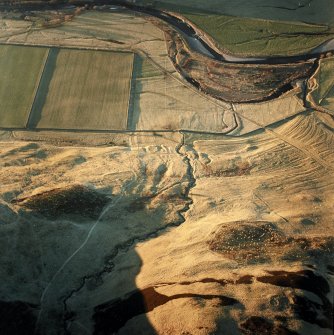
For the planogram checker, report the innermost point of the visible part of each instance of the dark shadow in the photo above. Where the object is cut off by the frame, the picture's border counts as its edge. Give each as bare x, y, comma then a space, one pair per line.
66, 307
111, 316
136, 87
121, 307
61, 213
73, 202
43, 89
17, 317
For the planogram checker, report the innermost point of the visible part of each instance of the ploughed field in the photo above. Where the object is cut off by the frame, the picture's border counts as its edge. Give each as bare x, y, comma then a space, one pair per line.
133, 201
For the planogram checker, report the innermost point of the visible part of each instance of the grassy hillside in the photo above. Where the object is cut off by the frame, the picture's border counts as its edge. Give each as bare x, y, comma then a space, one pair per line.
322, 85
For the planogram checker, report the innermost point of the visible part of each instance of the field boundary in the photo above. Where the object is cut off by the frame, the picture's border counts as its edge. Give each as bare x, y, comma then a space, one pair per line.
67, 47
110, 131
133, 92
37, 87
40, 75
35, 109
127, 131
132, 84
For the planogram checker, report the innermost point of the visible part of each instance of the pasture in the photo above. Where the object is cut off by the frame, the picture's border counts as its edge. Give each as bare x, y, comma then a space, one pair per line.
20, 71
162, 102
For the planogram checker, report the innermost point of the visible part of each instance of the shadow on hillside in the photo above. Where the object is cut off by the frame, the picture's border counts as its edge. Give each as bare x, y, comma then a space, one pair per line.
33, 236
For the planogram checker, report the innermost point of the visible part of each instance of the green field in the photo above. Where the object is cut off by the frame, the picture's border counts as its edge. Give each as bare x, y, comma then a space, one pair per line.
20, 71
319, 11
258, 27
255, 37
84, 89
